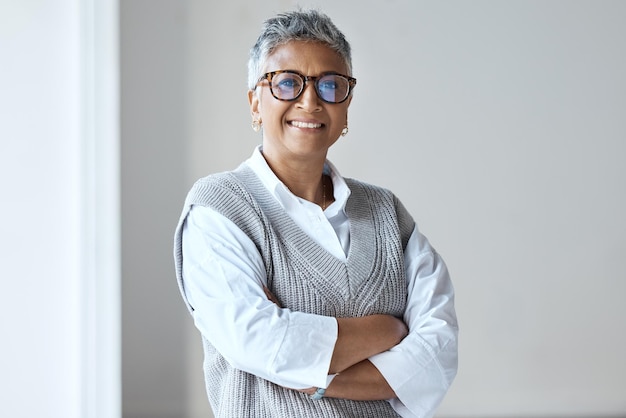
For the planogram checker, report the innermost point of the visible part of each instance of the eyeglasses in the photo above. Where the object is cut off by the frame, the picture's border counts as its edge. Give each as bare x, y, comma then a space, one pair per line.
288, 85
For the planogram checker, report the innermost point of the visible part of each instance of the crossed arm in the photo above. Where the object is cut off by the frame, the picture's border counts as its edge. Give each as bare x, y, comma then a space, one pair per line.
357, 340
422, 361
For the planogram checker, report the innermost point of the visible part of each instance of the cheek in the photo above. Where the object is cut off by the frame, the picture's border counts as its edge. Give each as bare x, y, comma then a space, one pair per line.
341, 117
273, 110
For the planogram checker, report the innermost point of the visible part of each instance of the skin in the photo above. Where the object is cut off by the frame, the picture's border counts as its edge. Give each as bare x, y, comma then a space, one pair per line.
297, 154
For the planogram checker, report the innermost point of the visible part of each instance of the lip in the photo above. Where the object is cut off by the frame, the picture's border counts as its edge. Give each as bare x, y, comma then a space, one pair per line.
306, 124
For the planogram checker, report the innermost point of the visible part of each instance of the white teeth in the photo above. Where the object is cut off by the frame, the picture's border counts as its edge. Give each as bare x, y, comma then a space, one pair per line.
308, 125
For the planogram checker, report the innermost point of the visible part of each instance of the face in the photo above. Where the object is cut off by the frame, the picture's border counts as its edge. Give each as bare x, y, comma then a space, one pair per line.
303, 129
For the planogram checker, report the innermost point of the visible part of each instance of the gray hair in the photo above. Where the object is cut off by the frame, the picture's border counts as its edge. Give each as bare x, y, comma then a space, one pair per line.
300, 25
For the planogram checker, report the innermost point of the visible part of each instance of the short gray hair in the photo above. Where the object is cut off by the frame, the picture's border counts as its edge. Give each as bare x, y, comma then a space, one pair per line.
299, 25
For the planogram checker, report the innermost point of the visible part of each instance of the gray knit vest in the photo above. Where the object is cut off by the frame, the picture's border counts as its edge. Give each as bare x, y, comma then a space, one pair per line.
306, 278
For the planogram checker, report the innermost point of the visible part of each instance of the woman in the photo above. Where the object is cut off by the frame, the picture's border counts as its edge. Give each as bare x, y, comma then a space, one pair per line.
316, 295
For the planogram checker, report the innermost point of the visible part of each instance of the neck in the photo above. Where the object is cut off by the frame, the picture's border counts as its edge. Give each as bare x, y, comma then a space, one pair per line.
304, 180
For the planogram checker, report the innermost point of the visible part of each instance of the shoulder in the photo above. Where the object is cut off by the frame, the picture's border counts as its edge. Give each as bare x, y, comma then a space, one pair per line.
358, 186
361, 189
224, 179
382, 199
219, 187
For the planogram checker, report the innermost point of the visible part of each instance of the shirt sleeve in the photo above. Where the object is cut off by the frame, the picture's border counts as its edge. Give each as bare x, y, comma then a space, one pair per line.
421, 368
224, 278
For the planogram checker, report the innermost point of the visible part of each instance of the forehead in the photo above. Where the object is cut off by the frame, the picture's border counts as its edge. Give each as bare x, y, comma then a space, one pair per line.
308, 58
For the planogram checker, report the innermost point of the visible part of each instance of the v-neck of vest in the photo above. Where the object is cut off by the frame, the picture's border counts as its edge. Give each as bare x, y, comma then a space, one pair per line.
362, 252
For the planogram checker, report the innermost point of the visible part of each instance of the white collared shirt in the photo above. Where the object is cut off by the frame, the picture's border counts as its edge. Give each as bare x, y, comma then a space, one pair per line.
224, 277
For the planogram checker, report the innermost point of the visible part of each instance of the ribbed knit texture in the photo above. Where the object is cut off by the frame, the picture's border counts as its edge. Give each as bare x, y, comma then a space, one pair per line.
306, 278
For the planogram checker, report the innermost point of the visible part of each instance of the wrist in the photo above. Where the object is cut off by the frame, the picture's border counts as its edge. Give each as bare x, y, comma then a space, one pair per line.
318, 394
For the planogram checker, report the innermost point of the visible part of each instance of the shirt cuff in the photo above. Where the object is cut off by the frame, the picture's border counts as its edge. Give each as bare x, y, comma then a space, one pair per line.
418, 377
329, 379
313, 338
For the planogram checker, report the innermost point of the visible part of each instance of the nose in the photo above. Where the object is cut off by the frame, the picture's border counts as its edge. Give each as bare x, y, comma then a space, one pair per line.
309, 100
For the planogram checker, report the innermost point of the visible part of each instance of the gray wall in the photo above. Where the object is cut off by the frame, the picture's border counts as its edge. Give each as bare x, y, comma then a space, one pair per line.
153, 129
502, 127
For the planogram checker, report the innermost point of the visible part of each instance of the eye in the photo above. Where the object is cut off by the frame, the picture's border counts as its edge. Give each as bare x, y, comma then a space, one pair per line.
328, 83
287, 82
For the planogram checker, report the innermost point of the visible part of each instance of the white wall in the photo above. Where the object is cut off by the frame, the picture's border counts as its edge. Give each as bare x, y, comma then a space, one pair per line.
503, 129
59, 215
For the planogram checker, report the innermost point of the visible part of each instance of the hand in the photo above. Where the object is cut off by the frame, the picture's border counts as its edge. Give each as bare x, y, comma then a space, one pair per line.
308, 391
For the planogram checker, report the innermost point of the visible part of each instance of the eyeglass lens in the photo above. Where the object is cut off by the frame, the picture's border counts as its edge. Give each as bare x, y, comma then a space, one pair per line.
332, 88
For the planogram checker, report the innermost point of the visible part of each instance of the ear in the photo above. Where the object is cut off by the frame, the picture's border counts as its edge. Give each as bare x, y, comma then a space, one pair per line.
253, 100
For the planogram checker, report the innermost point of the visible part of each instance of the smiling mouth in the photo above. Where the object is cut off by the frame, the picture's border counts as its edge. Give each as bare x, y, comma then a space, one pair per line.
305, 125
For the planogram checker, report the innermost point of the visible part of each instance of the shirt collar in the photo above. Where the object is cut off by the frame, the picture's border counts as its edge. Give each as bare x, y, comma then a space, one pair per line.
284, 196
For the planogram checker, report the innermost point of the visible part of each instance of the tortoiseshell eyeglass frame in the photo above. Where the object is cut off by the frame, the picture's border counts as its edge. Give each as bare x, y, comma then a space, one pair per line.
305, 78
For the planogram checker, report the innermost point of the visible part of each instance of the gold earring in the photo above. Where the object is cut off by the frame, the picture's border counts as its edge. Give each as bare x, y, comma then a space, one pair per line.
256, 125
344, 132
